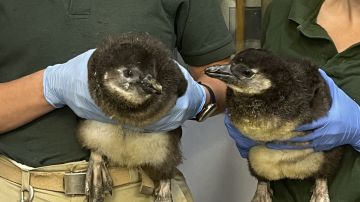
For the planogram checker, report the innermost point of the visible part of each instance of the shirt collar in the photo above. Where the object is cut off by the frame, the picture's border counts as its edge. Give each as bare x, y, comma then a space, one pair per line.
304, 13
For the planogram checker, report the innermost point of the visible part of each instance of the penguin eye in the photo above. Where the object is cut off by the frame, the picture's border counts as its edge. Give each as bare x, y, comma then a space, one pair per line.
247, 73
128, 73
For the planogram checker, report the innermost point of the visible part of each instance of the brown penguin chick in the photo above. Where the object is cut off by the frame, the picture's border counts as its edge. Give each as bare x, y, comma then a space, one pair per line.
132, 79
268, 97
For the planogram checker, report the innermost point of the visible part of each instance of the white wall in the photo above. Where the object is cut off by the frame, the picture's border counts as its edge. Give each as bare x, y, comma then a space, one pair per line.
213, 166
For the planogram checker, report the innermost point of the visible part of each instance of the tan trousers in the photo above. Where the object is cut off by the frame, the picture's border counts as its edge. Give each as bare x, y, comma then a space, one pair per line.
10, 191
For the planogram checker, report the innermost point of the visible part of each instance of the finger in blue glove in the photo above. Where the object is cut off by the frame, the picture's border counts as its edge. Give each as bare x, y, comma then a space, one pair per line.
67, 84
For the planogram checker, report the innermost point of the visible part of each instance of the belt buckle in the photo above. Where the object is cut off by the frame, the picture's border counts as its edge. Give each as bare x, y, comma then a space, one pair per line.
74, 183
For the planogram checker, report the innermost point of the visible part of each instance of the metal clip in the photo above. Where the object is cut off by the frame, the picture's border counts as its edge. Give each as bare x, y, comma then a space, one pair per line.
74, 183
27, 195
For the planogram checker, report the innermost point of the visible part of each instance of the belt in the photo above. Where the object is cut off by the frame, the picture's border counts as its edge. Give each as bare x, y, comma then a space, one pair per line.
72, 182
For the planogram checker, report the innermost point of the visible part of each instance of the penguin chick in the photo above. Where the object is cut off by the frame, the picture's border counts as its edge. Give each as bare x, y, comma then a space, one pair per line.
132, 79
267, 98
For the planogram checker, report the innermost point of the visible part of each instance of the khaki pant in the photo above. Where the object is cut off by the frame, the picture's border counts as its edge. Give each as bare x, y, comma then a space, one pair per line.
10, 191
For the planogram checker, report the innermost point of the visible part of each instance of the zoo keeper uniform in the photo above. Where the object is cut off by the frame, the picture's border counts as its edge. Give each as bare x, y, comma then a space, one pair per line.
38, 33
290, 29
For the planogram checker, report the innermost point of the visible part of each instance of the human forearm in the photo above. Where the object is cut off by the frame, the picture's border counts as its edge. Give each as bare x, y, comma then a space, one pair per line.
219, 89
22, 101
216, 85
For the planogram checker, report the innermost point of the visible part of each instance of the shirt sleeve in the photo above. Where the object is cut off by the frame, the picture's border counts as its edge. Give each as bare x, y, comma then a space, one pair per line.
202, 34
265, 23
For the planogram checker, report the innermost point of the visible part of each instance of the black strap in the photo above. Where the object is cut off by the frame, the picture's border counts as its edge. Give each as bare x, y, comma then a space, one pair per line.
212, 99
212, 94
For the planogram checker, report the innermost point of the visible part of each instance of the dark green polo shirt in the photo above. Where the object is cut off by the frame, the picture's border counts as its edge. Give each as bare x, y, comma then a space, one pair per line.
290, 29
38, 33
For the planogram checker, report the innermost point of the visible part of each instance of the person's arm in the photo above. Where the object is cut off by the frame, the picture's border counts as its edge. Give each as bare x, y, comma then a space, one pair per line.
30, 97
216, 85
22, 101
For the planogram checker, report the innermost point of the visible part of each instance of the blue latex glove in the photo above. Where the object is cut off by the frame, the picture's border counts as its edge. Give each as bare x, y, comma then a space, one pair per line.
67, 84
340, 126
243, 143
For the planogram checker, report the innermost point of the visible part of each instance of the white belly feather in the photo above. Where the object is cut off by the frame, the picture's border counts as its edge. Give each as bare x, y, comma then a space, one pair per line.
130, 150
278, 164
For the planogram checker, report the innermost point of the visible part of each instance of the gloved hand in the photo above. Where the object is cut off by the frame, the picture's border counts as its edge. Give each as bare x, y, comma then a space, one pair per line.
340, 126
67, 84
243, 143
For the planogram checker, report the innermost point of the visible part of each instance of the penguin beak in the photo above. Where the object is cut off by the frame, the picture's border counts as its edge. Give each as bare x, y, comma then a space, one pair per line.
222, 72
150, 85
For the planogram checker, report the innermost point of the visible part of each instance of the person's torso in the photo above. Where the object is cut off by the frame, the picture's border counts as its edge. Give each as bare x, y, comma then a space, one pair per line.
290, 30
35, 34
295, 34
